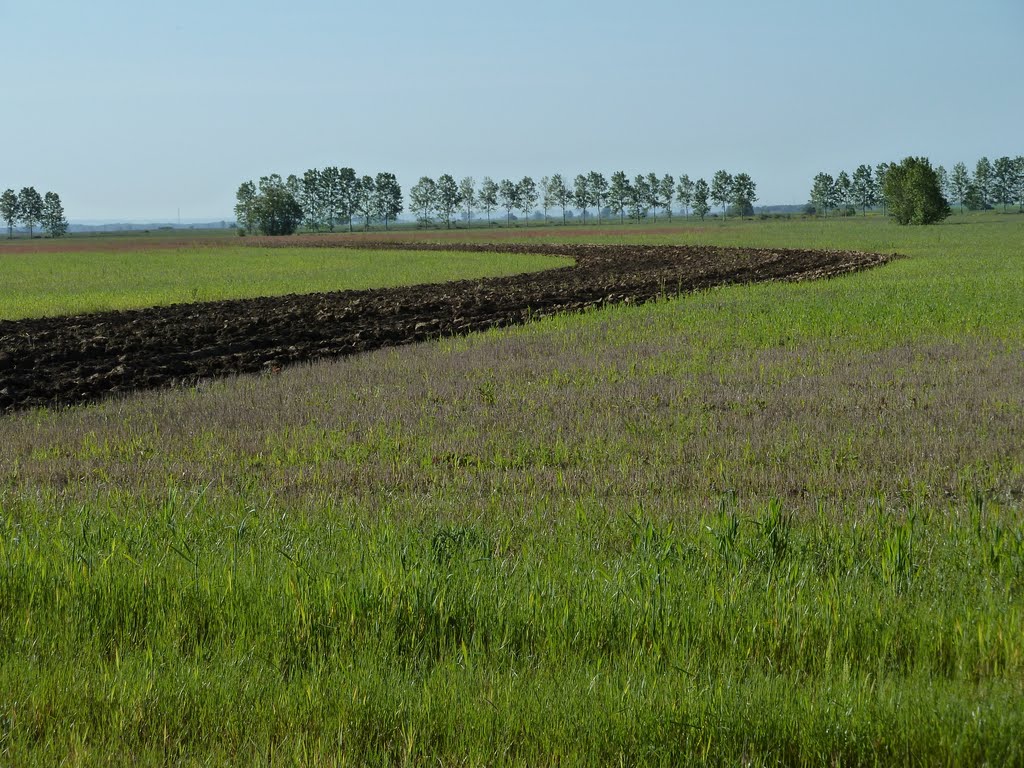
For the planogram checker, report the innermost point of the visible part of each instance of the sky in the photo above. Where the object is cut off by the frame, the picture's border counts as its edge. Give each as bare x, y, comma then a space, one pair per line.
136, 110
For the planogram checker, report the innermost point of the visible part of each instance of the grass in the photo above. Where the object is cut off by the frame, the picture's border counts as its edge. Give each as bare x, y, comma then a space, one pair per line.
772, 524
41, 283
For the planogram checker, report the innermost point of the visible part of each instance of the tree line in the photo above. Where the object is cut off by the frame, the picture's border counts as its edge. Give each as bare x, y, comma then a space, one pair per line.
32, 210
643, 195
320, 199
992, 183
323, 199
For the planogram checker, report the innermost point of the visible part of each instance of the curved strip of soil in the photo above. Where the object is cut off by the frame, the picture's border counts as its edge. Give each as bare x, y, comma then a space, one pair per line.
75, 359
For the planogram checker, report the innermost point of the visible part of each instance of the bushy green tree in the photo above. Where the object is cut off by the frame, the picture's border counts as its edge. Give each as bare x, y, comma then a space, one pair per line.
387, 197
561, 195
9, 210
721, 189
508, 195
744, 194
597, 189
467, 191
526, 193
914, 193
684, 193
53, 215
823, 192
488, 197
275, 211
581, 194
30, 208
701, 192
423, 198
448, 198
865, 194
959, 183
619, 194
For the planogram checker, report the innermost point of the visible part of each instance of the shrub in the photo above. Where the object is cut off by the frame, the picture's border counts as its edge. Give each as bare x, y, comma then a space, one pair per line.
914, 193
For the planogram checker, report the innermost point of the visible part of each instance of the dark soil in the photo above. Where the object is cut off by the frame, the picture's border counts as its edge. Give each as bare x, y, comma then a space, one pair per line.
66, 360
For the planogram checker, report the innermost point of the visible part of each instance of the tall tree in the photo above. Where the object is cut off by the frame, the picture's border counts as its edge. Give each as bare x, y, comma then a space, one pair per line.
666, 193
597, 190
880, 172
310, 197
546, 201
467, 191
365, 197
447, 197
940, 171
701, 192
684, 193
842, 192
508, 196
823, 192
744, 194
1003, 181
640, 199
721, 189
53, 215
526, 191
387, 197
581, 195
30, 208
1018, 186
653, 198
983, 181
560, 194
9, 210
488, 198
864, 188
619, 193
330, 191
423, 199
959, 183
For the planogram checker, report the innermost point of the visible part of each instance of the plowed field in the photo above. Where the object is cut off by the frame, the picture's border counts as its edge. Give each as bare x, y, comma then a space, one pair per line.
67, 360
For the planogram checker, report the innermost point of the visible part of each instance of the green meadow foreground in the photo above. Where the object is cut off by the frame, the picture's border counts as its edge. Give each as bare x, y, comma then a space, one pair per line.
769, 524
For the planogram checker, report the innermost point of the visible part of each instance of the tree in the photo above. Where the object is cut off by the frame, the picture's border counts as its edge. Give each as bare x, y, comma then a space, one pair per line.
864, 188
880, 172
666, 192
983, 181
488, 197
423, 198
53, 215
1018, 185
387, 200
310, 197
275, 211
701, 192
447, 197
30, 208
619, 193
581, 195
823, 192
9, 210
560, 194
684, 193
940, 171
653, 198
526, 191
912, 189
744, 194
959, 182
508, 195
640, 198
597, 190
364, 196
842, 192
721, 189
1003, 181
330, 195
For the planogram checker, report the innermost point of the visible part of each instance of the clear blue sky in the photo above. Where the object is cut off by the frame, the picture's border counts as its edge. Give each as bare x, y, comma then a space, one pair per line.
131, 110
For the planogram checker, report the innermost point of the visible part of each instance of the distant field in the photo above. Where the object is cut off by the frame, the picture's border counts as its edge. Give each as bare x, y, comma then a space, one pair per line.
39, 282
776, 524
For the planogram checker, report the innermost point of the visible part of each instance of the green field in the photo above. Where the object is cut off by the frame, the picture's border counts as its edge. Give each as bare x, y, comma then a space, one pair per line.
777, 524
37, 284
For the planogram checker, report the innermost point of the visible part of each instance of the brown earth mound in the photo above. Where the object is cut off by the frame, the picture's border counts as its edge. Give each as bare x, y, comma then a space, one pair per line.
66, 360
